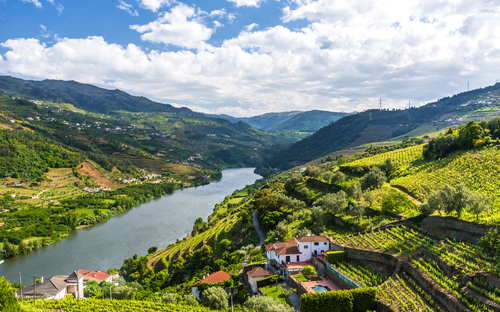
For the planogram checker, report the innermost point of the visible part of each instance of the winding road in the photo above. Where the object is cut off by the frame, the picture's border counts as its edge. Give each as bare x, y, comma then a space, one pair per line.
261, 233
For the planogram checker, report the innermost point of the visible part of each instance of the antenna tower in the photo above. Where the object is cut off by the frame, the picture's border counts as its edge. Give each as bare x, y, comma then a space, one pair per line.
380, 103
467, 86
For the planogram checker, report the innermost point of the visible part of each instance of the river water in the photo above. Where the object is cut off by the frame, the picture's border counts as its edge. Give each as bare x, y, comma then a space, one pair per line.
155, 223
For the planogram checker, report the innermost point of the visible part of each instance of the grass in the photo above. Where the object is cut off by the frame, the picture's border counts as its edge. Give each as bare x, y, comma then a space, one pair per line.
258, 262
302, 278
270, 291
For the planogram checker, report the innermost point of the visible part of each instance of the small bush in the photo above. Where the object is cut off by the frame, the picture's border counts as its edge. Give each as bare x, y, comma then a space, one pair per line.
336, 256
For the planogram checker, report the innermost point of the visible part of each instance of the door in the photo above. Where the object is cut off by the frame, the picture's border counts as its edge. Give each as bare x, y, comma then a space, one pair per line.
298, 258
287, 258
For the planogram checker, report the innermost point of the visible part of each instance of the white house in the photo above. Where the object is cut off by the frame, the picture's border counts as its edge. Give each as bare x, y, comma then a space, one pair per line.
56, 288
296, 249
256, 274
213, 278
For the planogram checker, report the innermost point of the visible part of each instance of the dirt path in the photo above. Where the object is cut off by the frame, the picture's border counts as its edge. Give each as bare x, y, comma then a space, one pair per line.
261, 233
38, 195
402, 190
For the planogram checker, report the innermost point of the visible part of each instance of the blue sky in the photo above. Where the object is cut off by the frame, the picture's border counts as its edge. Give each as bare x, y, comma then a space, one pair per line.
247, 57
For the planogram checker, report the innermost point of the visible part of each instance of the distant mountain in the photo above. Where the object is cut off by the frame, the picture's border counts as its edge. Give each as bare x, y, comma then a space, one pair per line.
84, 96
380, 125
309, 121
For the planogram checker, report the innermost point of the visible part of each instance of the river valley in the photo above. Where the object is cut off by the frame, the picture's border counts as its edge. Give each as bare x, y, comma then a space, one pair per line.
155, 223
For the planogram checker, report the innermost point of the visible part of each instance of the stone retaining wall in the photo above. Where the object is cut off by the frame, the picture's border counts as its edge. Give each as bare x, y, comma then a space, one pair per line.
337, 281
382, 307
436, 291
442, 265
454, 228
489, 278
364, 254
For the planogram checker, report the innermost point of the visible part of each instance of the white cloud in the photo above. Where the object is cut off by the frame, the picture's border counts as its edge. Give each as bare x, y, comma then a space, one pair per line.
44, 29
127, 8
240, 3
345, 59
218, 13
35, 2
51, 1
154, 5
251, 26
59, 8
182, 26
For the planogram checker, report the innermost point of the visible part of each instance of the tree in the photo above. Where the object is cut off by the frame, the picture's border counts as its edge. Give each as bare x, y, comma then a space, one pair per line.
266, 304
169, 298
468, 134
388, 167
304, 192
318, 215
152, 249
215, 298
357, 210
282, 229
461, 198
308, 271
8, 301
368, 197
338, 177
294, 179
478, 204
375, 178
354, 191
327, 176
123, 292
191, 300
341, 161
92, 289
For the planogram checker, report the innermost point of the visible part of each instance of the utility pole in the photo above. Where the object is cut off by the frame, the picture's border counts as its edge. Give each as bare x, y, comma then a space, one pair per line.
467, 86
409, 104
380, 103
20, 288
34, 290
110, 297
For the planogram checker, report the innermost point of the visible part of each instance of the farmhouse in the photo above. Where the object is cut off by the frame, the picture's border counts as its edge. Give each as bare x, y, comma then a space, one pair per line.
56, 287
256, 274
213, 278
98, 276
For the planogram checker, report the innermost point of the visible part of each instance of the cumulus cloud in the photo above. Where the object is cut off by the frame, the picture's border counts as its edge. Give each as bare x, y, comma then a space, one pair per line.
35, 2
240, 3
348, 56
251, 26
127, 8
182, 26
59, 8
154, 5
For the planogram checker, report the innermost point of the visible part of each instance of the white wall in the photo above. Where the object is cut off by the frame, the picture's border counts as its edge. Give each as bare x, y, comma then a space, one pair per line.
195, 292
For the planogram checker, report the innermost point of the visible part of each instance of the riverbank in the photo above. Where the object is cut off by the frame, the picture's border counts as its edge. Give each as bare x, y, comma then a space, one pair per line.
159, 222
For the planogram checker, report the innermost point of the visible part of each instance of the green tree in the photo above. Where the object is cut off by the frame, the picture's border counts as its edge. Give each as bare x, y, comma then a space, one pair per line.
215, 298
354, 191
357, 210
266, 304
469, 134
327, 176
8, 302
368, 197
191, 300
478, 203
375, 178
152, 249
338, 177
169, 298
308, 271
341, 161
318, 215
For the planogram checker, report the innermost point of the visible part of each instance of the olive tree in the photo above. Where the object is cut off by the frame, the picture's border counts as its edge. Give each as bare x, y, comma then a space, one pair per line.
215, 298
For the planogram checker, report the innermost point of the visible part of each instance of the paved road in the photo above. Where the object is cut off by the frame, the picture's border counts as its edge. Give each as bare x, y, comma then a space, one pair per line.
261, 233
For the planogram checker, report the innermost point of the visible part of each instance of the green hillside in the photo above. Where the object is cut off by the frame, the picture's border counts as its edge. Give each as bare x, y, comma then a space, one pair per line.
382, 125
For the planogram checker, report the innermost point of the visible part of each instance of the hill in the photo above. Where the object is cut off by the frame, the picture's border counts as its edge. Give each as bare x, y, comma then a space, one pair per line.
381, 125
309, 121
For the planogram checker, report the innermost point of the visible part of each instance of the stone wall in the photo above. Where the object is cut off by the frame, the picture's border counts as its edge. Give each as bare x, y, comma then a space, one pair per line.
454, 228
364, 254
319, 265
436, 291
382, 307
442, 265
489, 278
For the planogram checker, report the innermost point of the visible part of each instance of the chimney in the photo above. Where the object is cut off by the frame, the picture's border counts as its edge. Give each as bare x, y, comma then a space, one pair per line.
208, 274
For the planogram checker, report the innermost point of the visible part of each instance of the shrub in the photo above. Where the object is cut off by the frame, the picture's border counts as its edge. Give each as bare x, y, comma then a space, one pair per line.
364, 299
266, 304
169, 298
329, 301
336, 256
191, 301
215, 298
8, 301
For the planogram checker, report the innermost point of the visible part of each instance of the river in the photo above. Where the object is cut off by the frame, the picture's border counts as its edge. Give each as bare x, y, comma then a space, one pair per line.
156, 223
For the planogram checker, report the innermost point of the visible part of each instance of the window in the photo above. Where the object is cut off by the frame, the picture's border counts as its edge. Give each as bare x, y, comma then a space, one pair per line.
298, 258
316, 244
305, 246
324, 243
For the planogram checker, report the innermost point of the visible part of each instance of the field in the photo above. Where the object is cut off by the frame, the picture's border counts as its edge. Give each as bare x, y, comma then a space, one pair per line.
400, 157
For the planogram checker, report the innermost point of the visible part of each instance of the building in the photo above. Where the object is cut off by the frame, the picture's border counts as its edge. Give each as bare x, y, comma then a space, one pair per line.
301, 249
98, 276
213, 278
256, 274
55, 288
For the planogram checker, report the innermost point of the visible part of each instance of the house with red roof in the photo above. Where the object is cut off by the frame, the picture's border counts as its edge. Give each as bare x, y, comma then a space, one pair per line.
99, 276
213, 278
256, 274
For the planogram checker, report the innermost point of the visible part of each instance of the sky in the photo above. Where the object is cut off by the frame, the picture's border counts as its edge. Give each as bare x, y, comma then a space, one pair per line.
250, 57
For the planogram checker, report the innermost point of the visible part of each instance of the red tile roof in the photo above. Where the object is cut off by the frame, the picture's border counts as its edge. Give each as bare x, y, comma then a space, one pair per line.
294, 250
214, 278
97, 275
259, 272
281, 245
313, 238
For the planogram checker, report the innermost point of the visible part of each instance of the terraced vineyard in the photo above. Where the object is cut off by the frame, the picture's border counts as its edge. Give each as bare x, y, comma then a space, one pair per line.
395, 240
402, 293
97, 305
362, 274
400, 157
479, 170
